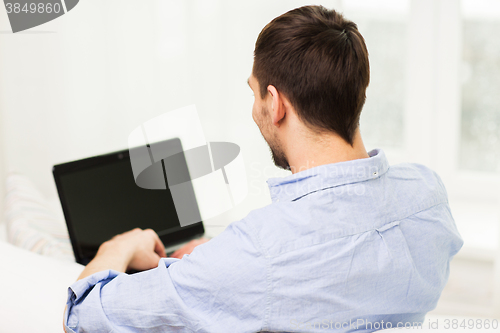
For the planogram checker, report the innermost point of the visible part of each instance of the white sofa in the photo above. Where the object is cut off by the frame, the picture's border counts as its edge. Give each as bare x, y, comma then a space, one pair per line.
33, 290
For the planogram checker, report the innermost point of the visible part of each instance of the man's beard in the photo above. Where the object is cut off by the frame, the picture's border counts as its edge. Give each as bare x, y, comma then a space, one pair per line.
279, 157
277, 152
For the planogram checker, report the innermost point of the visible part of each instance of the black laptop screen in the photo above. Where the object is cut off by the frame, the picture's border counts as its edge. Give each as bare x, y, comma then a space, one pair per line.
103, 200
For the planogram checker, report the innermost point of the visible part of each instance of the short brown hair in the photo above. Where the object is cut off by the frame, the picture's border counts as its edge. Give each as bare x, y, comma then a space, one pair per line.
319, 61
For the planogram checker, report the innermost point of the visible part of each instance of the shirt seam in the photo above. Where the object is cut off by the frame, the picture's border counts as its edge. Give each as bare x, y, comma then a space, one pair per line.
374, 228
267, 258
333, 186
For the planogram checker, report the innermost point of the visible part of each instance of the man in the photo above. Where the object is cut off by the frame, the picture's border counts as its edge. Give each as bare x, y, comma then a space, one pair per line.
348, 242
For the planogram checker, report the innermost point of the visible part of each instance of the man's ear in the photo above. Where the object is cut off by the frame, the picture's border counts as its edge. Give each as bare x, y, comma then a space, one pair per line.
278, 110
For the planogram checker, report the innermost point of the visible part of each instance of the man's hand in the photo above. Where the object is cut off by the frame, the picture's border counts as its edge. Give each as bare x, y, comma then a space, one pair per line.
135, 249
142, 249
189, 247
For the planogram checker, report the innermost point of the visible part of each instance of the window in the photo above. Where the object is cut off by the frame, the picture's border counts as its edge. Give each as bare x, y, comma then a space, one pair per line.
480, 127
384, 26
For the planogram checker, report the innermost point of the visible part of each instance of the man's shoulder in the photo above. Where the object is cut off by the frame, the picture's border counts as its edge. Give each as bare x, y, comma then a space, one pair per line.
264, 221
255, 220
406, 189
418, 178
412, 169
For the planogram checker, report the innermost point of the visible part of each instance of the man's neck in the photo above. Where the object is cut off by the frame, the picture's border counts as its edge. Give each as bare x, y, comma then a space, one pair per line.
307, 152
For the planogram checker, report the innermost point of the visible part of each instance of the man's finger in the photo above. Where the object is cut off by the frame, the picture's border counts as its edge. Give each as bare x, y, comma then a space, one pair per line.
159, 247
154, 260
149, 260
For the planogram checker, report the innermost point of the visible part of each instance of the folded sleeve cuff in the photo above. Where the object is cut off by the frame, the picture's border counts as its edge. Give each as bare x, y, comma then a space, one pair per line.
78, 291
168, 261
84, 306
81, 287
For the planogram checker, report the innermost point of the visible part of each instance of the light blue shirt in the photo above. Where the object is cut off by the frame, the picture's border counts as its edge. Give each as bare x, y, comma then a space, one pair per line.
355, 245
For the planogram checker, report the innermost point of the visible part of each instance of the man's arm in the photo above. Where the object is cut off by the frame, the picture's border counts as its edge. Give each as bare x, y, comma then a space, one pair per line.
135, 249
183, 294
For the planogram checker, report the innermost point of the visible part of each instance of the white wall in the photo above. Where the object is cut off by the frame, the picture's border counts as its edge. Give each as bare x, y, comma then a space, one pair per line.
76, 86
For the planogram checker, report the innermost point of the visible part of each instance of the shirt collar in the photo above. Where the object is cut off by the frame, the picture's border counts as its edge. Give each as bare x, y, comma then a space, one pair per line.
327, 176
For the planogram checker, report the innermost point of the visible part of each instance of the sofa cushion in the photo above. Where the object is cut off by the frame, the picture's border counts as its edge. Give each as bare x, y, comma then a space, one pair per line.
32, 223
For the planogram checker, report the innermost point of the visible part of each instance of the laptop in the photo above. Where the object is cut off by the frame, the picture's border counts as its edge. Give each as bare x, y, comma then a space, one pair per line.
100, 199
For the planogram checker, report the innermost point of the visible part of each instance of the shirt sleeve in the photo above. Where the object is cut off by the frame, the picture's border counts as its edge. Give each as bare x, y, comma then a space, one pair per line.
221, 285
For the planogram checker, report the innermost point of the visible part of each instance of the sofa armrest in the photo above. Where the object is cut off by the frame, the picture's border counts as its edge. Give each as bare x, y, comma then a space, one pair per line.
34, 289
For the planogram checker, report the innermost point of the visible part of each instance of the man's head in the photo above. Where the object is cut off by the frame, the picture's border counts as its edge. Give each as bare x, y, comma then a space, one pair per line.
313, 63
